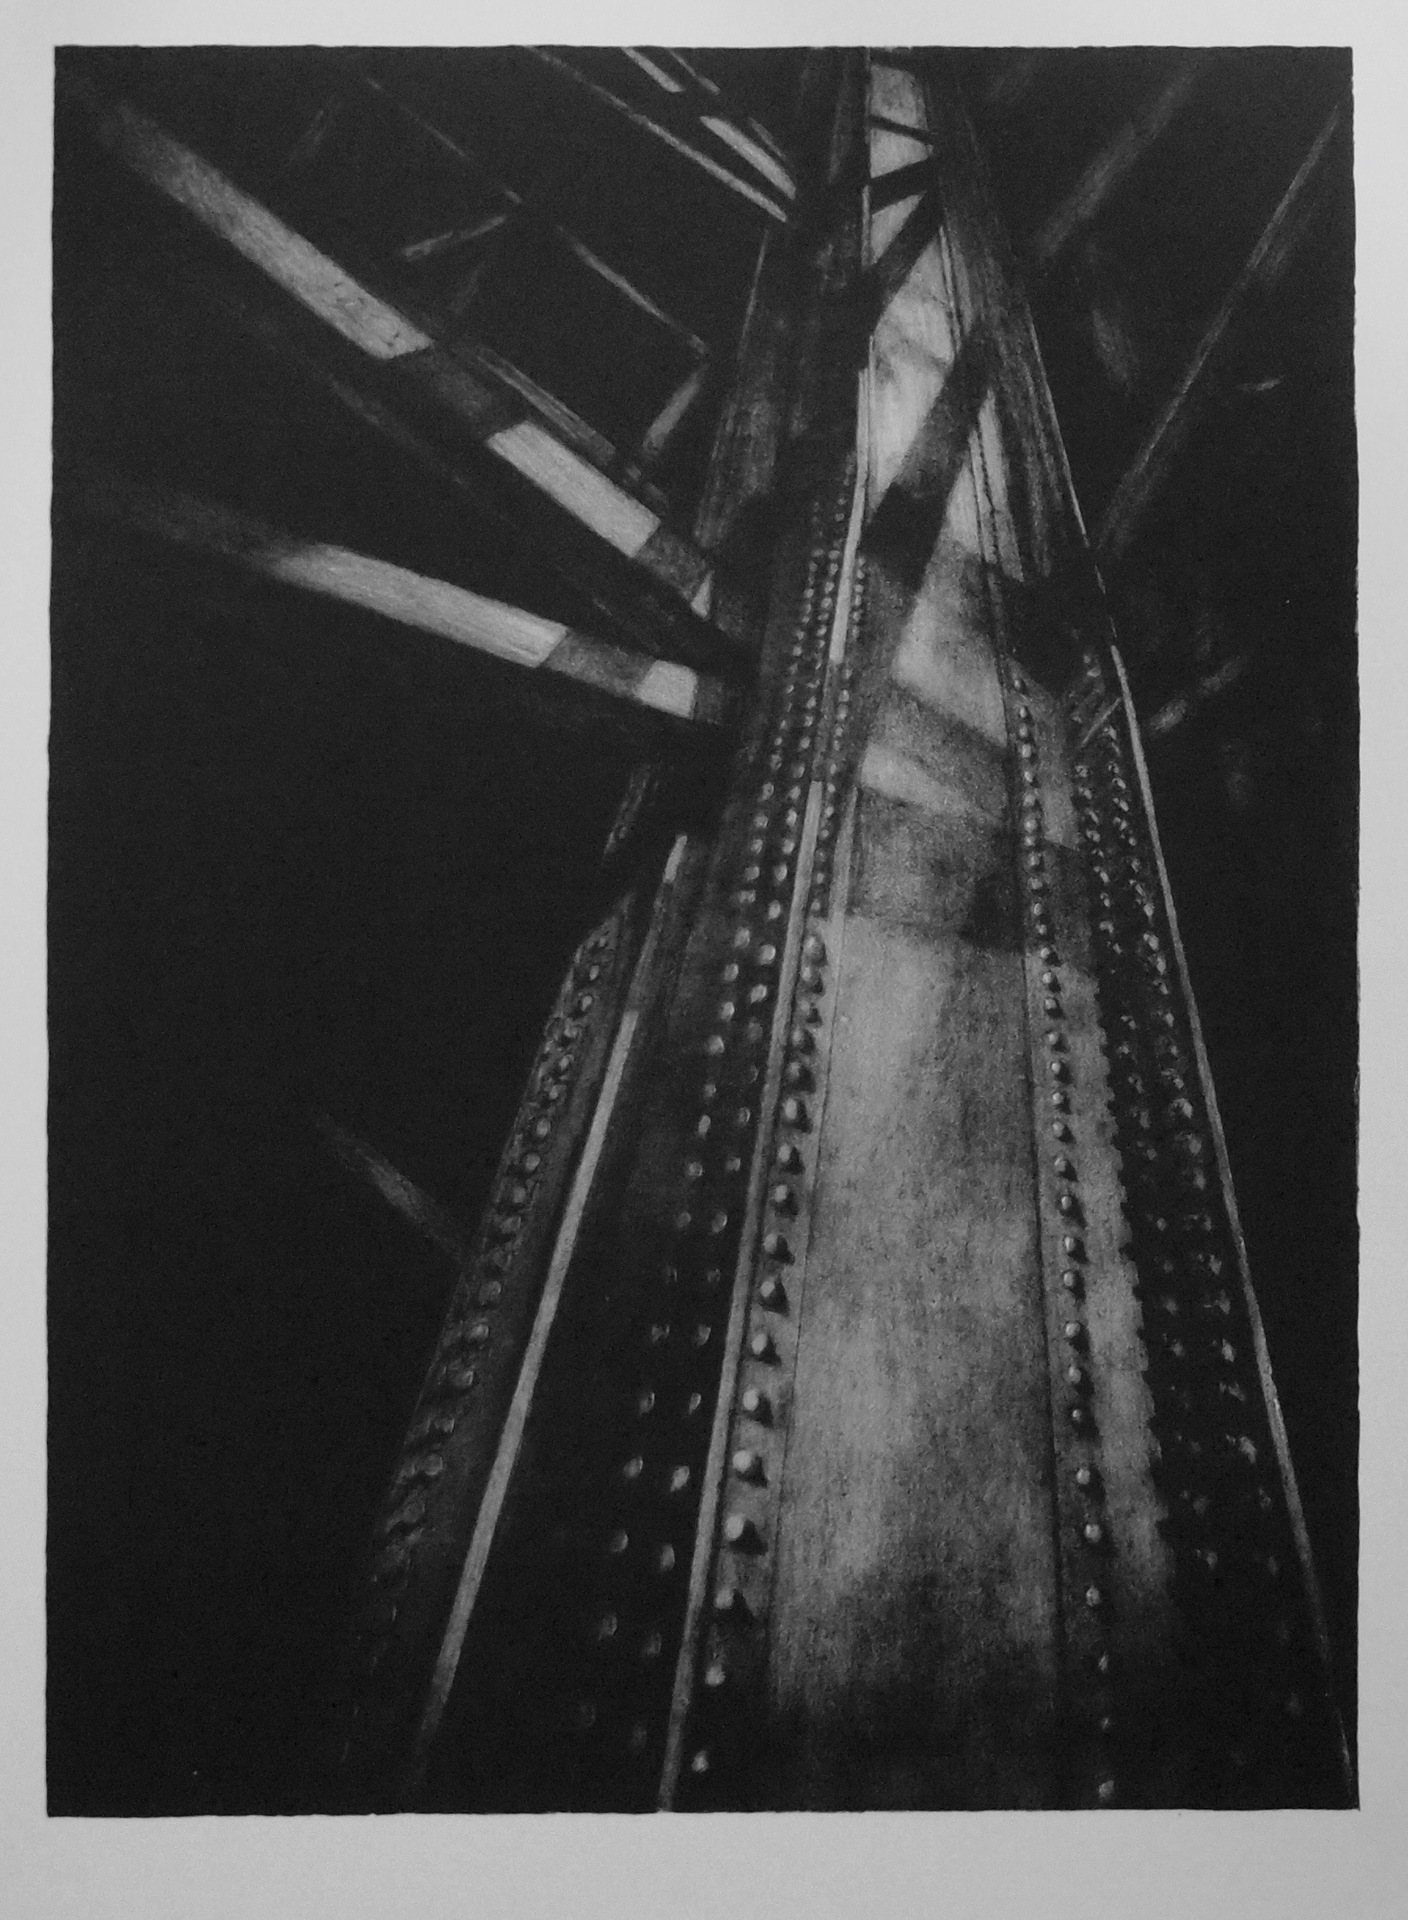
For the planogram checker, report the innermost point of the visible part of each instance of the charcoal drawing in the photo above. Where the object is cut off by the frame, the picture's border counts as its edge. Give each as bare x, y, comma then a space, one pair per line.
703, 832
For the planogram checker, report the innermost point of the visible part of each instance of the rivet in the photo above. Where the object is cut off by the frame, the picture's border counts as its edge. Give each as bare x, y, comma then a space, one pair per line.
1072, 1246
700, 1336
1105, 1792
541, 1129
714, 1675
761, 1347
775, 1246
1076, 1375
679, 1479
1094, 1597
633, 1468
606, 1627
693, 1404
772, 1294
619, 1541
1064, 1167
1059, 1070
740, 1532
1071, 1281
1093, 1532
1079, 1417
747, 1464
665, 1559
1072, 1329
717, 1222
794, 1112
756, 1404
1085, 1477
700, 1762
694, 1169
1060, 1130
1068, 1204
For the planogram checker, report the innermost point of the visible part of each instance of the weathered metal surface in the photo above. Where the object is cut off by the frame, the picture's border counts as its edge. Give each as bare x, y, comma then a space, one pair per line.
433, 1498
955, 1566
904, 1437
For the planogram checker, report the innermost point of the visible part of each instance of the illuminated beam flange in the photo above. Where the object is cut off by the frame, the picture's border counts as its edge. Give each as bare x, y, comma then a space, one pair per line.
409, 599
1268, 258
643, 121
375, 327
667, 422
1112, 165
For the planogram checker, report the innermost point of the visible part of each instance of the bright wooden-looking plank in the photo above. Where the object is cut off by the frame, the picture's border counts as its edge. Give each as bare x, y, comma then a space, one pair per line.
318, 282
410, 599
586, 494
434, 606
657, 74
749, 150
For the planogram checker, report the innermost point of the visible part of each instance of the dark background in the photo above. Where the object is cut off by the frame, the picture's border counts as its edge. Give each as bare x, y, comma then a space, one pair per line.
299, 868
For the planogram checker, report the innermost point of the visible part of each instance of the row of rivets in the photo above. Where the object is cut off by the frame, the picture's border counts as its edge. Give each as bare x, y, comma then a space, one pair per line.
734, 1639
684, 1335
1085, 1544
454, 1372
1227, 1528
